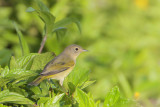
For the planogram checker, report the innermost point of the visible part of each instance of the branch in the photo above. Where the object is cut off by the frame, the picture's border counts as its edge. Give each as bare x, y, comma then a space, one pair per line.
42, 44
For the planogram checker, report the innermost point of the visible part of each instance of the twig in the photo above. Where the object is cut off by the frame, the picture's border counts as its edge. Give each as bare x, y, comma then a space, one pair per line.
42, 44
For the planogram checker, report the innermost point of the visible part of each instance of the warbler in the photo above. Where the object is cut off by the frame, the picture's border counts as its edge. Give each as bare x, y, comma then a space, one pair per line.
59, 67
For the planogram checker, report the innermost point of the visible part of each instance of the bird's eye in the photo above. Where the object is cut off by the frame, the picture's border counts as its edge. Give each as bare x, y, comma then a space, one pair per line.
76, 49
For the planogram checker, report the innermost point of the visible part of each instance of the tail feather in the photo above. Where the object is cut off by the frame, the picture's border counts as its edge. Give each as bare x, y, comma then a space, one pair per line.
37, 81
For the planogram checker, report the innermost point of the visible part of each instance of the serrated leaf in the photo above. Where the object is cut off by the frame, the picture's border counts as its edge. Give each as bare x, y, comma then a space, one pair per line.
36, 90
77, 77
41, 60
112, 97
50, 102
18, 90
12, 97
4, 81
15, 75
30, 9
5, 71
43, 100
54, 102
87, 83
67, 21
23, 43
83, 99
12, 63
17, 72
124, 102
25, 61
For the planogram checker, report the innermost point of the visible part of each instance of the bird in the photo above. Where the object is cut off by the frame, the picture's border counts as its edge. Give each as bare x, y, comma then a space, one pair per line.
60, 66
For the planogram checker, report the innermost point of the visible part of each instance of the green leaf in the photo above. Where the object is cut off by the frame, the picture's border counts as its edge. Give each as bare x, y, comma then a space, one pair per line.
4, 81
15, 75
12, 97
18, 90
23, 43
5, 71
50, 102
60, 32
48, 19
87, 83
12, 63
83, 99
67, 21
39, 92
45, 16
77, 77
54, 102
36, 90
44, 87
42, 6
19, 71
72, 88
112, 97
26, 61
5, 55
124, 102
30, 9
42, 101
41, 60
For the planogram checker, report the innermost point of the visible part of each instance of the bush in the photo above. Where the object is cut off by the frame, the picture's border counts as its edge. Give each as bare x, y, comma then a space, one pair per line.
15, 77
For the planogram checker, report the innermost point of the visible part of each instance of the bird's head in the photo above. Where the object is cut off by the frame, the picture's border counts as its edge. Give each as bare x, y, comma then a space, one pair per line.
74, 50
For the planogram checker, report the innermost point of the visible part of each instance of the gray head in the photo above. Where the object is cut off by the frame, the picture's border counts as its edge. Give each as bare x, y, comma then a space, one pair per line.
73, 50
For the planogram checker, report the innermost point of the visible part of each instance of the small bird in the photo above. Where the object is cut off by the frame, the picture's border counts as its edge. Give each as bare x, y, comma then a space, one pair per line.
59, 67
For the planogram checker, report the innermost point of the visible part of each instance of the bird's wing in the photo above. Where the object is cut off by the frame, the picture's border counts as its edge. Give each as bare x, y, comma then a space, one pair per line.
54, 68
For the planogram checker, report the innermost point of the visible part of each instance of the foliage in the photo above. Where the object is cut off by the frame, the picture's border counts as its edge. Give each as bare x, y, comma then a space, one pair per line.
15, 78
122, 38
49, 20
24, 46
15, 90
114, 99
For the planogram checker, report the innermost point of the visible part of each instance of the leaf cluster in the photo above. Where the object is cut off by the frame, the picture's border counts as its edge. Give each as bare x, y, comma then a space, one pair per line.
51, 26
14, 78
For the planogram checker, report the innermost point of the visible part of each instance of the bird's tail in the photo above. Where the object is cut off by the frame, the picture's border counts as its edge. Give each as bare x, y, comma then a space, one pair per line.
37, 81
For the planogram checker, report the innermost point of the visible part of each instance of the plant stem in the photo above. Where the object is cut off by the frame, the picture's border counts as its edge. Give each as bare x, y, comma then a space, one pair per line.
42, 44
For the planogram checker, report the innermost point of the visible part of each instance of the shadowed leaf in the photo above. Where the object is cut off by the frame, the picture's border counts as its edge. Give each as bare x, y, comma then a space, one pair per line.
67, 21
23, 43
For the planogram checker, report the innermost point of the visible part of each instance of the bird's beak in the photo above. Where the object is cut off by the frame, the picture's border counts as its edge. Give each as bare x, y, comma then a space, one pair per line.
84, 50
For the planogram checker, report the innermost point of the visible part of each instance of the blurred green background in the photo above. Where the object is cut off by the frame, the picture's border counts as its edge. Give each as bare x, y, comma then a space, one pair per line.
122, 36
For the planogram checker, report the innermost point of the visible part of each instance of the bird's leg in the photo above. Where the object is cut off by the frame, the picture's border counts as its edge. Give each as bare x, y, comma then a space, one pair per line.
61, 85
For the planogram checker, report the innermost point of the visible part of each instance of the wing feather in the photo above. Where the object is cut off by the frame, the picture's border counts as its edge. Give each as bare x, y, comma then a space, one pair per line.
56, 67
